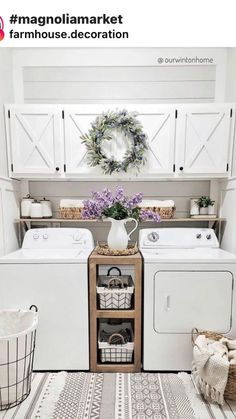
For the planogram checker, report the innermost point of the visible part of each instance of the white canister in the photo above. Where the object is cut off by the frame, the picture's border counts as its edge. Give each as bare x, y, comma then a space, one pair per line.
36, 210
25, 206
194, 208
46, 208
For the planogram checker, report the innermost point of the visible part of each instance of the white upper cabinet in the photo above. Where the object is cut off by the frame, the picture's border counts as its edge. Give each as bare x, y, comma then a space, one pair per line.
34, 140
184, 141
203, 144
158, 124
77, 122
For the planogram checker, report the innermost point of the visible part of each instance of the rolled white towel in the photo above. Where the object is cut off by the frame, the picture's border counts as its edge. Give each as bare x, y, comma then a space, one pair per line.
157, 203
165, 204
71, 203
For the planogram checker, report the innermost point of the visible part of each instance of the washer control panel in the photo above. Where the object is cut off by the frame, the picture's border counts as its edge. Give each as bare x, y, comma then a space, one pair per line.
58, 238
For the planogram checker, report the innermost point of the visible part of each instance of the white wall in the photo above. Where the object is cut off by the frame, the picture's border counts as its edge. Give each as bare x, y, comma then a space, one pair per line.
6, 96
9, 189
92, 75
9, 212
227, 190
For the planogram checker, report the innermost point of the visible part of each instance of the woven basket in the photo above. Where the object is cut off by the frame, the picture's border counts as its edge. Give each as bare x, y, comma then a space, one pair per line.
103, 249
72, 213
230, 389
164, 212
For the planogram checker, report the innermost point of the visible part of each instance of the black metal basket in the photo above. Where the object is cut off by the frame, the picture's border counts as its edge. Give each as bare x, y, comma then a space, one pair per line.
16, 363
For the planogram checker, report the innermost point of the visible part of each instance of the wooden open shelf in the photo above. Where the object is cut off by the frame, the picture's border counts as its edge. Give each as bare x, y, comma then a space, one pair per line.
63, 220
135, 313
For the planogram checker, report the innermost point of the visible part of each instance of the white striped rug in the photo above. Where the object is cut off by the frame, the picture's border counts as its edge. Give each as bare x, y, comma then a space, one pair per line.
116, 396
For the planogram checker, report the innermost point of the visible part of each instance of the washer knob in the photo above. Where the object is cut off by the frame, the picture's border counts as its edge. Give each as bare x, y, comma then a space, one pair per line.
35, 236
45, 236
76, 237
153, 237
198, 236
208, 236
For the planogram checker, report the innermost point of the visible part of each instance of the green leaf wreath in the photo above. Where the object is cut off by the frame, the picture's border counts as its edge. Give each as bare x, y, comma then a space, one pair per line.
101, 130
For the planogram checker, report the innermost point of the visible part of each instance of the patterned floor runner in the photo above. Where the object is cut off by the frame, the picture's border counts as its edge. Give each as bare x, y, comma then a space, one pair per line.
116, 396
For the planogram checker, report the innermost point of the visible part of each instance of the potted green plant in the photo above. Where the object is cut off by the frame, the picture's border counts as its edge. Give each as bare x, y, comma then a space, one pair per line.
204, 202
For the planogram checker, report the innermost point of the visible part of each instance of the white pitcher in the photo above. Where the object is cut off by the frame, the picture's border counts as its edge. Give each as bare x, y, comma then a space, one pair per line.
118, 237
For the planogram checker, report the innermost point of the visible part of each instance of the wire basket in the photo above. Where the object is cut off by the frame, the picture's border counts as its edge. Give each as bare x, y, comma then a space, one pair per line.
230, 388
115, 291
17, 345
112, 352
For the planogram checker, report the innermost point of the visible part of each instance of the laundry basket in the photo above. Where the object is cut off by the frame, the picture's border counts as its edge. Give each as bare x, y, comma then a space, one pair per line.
230, 388
17, 343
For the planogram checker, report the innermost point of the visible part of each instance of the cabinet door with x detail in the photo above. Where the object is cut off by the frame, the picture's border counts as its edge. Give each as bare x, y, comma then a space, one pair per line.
34, 140
204, 139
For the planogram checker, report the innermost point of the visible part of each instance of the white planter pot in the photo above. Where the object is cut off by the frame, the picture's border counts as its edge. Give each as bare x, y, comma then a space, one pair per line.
203, 210
211, 210
118, 237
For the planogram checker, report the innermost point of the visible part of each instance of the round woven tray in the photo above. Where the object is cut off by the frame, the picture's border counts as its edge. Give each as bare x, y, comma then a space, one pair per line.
103, 249
230, 389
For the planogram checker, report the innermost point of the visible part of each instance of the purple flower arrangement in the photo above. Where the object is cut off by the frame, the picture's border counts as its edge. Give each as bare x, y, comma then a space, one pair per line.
116, 205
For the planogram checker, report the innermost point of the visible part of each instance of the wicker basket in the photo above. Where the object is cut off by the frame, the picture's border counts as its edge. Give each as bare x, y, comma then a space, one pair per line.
115, 291
115, 353
72, 213
164, 212
230, 389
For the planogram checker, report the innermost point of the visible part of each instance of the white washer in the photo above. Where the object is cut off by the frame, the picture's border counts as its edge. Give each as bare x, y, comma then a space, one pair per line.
50, 271
188, 282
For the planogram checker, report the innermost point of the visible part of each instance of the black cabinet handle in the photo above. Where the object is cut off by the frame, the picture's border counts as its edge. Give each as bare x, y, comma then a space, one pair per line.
181, 168
57, 169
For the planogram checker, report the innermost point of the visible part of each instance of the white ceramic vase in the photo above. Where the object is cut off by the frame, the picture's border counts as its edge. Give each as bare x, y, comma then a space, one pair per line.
203, 210
118, 237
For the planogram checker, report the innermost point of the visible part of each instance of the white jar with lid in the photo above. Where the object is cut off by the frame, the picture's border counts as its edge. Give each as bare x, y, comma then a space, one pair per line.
36, 210
46, 208
25, 206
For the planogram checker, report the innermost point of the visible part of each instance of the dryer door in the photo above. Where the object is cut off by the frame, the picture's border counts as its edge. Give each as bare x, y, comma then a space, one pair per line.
187, 299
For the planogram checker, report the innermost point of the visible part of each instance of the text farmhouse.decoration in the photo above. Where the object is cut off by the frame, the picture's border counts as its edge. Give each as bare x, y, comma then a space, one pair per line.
101, 130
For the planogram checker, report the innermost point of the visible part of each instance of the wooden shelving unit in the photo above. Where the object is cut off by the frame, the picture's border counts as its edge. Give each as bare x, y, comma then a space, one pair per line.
95, 314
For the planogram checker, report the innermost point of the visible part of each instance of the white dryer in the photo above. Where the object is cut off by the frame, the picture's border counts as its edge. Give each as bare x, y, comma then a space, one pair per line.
188, 282
50, 271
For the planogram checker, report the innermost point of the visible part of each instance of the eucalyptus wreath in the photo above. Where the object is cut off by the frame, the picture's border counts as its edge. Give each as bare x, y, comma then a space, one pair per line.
101, 130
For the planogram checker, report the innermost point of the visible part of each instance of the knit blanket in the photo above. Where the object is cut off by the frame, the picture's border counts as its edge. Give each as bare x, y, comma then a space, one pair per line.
211, 361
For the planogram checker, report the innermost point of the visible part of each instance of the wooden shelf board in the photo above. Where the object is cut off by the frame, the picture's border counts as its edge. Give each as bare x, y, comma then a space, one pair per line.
118, 314
62, 220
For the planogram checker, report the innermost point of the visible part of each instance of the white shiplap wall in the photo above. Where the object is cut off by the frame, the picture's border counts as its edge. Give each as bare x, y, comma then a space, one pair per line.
100, 84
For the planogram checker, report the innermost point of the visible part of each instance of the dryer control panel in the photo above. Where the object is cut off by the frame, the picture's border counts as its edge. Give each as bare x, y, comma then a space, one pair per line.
179, 238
